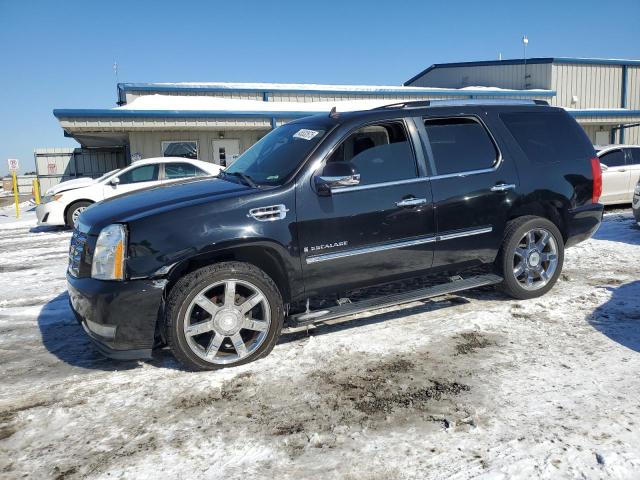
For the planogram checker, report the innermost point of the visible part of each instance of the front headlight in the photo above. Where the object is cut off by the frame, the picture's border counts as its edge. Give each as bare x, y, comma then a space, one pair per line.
51, 198
108, 257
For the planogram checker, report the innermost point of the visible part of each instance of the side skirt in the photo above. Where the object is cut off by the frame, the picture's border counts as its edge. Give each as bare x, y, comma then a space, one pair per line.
346, 309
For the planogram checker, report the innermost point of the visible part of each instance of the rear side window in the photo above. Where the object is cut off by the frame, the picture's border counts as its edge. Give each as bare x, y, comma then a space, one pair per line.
613, 159
548, 137
181, 170
635, 156
380, 153
460, 145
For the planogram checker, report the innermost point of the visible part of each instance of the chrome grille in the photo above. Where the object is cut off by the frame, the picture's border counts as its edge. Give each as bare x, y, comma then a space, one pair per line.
76, 249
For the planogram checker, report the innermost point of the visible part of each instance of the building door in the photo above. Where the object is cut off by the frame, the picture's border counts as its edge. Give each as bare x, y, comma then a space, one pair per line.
225, 151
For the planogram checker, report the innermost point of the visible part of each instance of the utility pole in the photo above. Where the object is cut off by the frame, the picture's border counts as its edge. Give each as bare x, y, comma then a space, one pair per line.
525, 42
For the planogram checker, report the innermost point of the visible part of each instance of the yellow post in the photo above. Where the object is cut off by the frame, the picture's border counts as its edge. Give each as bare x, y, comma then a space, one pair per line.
36, 191
15, 192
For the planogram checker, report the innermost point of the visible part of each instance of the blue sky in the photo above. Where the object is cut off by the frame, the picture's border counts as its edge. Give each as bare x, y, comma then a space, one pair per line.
59, 54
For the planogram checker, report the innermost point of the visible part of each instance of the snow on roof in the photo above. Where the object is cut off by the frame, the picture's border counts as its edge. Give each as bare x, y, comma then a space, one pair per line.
270, 87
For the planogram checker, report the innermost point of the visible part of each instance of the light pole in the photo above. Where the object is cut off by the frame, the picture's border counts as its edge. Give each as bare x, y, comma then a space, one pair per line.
525, 42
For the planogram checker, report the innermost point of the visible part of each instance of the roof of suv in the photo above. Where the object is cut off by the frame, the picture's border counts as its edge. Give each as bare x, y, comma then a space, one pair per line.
424, 106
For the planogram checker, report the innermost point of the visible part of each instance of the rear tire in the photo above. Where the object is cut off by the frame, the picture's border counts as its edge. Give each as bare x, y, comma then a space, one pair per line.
531, 257
223, 315
74, 211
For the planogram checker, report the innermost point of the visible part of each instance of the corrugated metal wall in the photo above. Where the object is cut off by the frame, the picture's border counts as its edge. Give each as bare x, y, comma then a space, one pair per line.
503, 76
55, 165
633, 87
595, 86
149, 144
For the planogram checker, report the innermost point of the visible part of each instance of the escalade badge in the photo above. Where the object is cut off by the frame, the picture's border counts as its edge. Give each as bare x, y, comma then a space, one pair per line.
326, 246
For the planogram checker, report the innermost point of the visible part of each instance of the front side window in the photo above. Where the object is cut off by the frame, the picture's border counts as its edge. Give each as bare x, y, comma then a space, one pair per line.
184, 149
182, 170
145, 173
278, 154
460, 145
380, 153
613, 159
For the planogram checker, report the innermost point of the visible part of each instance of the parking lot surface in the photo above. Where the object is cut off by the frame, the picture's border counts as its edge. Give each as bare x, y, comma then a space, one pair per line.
475, 385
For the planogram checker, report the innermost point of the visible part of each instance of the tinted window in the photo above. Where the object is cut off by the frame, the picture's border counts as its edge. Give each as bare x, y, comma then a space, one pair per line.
181, 170
613, 159
635, 156
146, 173
460, 145
380, 153
180, 149
547, 137
275, 156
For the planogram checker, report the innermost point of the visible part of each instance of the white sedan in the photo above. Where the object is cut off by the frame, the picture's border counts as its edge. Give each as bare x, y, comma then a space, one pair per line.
620, 173
63, 203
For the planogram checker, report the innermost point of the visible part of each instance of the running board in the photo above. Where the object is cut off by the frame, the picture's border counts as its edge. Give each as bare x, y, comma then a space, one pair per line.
346, 309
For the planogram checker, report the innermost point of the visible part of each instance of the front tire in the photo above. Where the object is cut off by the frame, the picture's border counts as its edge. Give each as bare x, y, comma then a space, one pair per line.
531, 257
223, 315
74, 211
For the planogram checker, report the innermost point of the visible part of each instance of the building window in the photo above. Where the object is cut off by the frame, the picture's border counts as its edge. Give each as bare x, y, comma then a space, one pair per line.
184, 149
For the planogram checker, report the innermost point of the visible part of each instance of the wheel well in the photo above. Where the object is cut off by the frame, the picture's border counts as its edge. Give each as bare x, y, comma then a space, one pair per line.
265, 258
548, 211
73, 203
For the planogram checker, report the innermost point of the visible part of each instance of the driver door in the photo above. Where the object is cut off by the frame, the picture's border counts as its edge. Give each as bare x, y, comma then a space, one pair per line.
135, 178
380, 229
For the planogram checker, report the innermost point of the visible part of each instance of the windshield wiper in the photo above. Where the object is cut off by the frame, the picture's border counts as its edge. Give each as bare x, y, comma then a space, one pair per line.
246, 179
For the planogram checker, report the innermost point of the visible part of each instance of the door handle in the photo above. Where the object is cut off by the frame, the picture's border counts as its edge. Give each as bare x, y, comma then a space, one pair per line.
503, 187
622, 170
411, 202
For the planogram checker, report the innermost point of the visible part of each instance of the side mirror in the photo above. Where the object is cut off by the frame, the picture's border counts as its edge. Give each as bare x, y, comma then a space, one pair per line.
336, 175
114, 182
603, 167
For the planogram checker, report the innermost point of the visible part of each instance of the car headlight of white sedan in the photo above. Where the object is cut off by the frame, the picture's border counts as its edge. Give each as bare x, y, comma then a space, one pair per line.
109, 254
51, 198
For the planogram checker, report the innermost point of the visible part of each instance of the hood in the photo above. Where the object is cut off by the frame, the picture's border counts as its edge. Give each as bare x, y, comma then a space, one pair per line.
155, 200
70, 185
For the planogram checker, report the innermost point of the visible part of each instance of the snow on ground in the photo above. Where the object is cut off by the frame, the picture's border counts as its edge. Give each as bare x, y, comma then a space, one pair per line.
472, 386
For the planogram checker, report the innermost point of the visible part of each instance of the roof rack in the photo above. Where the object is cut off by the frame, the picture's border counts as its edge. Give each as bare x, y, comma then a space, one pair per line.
469, 101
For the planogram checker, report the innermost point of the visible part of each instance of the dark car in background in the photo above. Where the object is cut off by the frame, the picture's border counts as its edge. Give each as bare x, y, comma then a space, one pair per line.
462, 193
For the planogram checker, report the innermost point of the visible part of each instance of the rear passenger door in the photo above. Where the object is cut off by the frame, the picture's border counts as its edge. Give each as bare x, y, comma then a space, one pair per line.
633, 162
472, 184
615, 177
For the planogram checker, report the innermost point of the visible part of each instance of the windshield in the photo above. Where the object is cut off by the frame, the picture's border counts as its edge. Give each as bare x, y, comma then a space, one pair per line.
272, 159
107, 175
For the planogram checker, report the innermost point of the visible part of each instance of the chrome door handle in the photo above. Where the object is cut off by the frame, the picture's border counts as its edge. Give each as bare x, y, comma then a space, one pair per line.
411, 202
503, 187
622, 170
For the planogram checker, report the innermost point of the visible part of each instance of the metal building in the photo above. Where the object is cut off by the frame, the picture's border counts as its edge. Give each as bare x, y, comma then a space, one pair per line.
603, 94
217, 121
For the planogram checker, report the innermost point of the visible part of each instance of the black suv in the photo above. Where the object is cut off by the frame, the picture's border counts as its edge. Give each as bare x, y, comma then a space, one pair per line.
460, 195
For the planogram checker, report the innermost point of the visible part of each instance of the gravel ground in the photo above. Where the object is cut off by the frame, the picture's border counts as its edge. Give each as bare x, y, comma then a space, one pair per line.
470, 386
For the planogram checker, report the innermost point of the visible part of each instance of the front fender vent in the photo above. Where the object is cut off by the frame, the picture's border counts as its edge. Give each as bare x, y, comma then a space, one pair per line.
268, 214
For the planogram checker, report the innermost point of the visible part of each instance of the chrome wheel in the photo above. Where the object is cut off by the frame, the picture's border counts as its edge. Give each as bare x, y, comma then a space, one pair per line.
227, 321
535, 259
76, 213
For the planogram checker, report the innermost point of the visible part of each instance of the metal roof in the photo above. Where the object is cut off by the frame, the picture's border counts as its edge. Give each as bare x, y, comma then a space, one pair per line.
530, 61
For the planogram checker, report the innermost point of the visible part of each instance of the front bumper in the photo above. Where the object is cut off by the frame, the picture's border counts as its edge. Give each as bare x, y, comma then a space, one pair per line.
51, 213
120, 317
583, 222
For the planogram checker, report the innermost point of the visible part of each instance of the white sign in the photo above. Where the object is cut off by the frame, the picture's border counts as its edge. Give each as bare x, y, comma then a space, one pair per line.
14, 164
305, 134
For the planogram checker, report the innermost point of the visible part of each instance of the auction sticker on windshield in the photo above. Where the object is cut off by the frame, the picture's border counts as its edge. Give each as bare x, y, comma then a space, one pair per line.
305, 134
